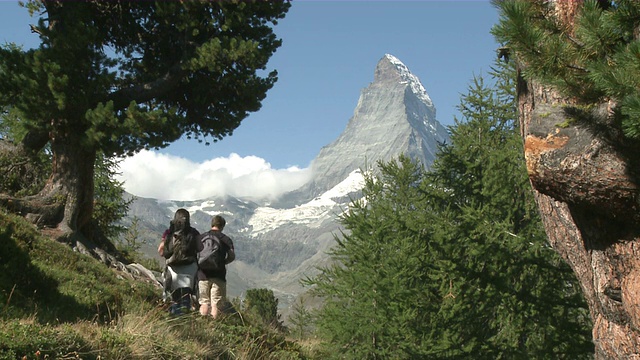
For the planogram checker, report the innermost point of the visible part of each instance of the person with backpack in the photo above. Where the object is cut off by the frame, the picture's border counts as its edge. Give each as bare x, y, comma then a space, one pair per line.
180, 246
217, 252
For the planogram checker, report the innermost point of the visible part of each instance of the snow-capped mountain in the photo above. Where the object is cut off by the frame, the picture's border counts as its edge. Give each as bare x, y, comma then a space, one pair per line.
279, 244
311, 213
394, 115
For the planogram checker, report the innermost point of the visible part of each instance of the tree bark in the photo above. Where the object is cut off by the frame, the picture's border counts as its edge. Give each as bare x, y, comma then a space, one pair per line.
586, 187
71, 185
72, 179
588, 198
64, 206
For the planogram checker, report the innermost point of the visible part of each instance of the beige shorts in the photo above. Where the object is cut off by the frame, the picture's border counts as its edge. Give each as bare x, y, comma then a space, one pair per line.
212, 291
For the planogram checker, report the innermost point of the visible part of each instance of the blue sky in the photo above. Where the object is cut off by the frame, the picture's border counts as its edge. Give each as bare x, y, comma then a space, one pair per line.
329, 53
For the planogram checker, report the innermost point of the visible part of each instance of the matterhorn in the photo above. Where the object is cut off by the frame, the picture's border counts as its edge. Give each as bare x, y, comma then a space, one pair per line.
394, 116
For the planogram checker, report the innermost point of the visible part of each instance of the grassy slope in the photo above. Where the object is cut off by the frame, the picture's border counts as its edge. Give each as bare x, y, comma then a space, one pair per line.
59, 304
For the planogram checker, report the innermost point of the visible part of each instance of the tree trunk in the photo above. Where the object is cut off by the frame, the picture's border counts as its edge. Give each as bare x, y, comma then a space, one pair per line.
587, 193
588, 199
71, 182
586, 187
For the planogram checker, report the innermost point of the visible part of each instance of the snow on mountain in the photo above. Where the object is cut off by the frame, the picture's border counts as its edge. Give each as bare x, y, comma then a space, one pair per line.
394, 115
209, 207
412, 80
312, 213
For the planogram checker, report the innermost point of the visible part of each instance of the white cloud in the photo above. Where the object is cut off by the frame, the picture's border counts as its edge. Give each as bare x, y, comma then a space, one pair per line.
167, 177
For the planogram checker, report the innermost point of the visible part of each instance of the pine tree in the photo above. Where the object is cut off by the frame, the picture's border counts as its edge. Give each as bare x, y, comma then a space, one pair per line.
263, 304
301, 319
596, 60
110, 203
514, 297
374, 301
452, 263
25, 174
121, 76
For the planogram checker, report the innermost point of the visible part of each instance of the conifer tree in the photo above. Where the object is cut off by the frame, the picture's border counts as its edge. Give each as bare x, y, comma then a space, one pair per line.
375, 304
116, 77
110, 204
452, 263
264, 305
26, 174
301, 319
512, 296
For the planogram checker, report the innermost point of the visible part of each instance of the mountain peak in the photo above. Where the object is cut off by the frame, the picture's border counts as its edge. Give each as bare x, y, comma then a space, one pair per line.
391, 69
394, 115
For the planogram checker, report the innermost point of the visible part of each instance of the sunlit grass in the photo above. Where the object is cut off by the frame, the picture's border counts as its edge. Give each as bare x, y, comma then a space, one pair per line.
58, 304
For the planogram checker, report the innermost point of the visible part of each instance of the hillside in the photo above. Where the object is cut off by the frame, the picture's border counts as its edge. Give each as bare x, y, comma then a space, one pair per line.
59, 304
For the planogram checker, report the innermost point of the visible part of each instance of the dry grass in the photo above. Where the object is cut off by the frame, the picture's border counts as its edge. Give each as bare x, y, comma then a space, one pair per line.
58, 304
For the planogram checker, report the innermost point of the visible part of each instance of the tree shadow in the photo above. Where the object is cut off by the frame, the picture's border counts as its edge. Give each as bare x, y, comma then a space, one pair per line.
25, 290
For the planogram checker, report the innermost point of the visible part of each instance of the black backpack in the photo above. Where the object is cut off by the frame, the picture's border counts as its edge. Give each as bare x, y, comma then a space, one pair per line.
214, 253
179, 248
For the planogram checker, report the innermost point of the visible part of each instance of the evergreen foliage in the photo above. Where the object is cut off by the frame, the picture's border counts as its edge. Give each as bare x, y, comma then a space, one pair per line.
301, 319
129, 75
23, 173
375, 303
117, 77
454, 262
263, 304
515, 297
27, 174
129, 243
110, 204
594, 62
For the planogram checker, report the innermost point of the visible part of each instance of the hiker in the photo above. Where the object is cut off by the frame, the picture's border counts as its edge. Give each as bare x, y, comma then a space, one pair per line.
180, 246
217, 252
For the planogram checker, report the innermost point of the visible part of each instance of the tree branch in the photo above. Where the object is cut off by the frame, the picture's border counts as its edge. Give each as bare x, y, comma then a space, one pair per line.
34, 141
145, 92
34, 29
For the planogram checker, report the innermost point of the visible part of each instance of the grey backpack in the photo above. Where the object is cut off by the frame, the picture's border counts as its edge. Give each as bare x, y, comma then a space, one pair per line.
213, 254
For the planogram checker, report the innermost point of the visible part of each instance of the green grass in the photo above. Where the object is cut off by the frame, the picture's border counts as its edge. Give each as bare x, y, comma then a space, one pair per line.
58, 304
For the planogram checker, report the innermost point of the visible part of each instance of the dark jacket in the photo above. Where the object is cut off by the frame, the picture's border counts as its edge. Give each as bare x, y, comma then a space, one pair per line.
227, 245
